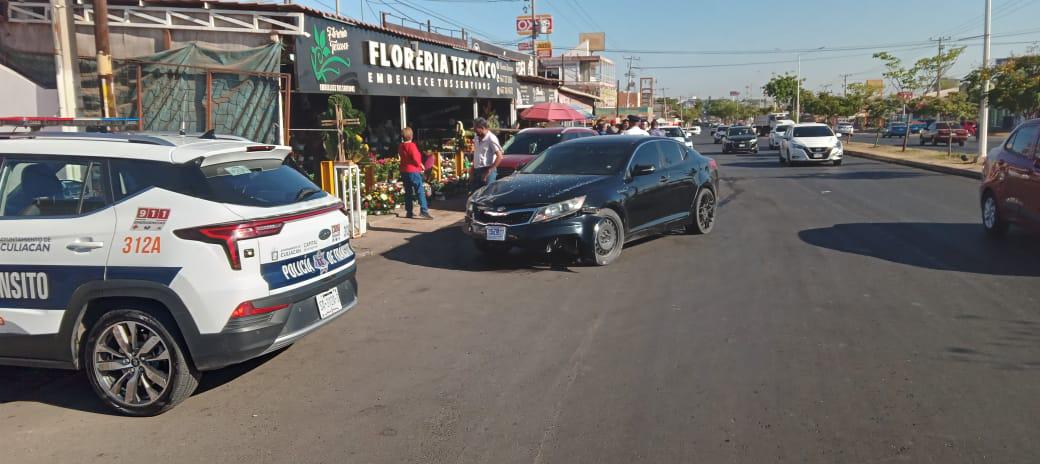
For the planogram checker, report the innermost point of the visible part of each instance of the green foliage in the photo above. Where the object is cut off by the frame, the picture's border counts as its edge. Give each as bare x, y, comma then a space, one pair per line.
953, 106
782, 89
353, 144
1015, 85
880, 109
922, 75
322, 60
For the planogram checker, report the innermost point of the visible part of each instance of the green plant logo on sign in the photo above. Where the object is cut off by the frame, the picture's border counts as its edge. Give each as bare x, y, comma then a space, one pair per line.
323, 58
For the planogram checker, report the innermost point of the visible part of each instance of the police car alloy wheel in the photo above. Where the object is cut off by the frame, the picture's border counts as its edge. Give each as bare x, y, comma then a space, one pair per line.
135, 365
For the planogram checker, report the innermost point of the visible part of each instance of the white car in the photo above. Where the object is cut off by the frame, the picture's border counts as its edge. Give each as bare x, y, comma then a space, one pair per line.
845, 128
678, 134
693, 130
776, 135
810, 143
146, 259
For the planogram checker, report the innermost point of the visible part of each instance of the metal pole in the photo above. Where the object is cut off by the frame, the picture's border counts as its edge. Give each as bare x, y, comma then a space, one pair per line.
534, 35
983, 129
798, 93
337, 7
104, 59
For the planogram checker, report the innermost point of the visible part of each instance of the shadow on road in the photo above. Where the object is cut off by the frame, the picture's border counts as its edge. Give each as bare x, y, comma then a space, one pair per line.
859, 175
449, 248
71, 389
1009, 344
960, 247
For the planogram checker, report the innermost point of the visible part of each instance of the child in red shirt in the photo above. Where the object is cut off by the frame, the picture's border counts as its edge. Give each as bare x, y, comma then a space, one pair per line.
411, 173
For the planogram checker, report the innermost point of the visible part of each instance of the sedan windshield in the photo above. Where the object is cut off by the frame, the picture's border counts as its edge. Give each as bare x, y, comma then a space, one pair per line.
782, 129
740, 131
531, 143
598, 159
813, 131
673, 132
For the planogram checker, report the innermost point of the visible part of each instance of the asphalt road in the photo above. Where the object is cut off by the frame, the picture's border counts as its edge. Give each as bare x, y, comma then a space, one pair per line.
970, 146
836, 314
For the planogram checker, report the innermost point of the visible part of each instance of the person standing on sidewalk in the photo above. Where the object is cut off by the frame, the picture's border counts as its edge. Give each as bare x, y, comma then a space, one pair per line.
411, 172
634, 127
487, 153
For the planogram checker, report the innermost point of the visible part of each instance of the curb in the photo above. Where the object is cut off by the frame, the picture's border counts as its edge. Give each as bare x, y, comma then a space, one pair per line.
916, 164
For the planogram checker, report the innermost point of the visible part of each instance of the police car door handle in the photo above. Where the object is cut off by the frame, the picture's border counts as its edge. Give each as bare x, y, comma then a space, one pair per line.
84, 244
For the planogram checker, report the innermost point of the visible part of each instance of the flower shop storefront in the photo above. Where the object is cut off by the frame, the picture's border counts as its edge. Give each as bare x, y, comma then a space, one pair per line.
382, 81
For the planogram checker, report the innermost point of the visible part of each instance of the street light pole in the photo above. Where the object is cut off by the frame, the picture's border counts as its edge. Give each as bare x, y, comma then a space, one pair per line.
798, 92
983, 129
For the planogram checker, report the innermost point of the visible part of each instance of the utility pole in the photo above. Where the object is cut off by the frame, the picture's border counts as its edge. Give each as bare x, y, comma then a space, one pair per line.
983, 129
845, 84
630, 75
938, 64
798, 93
664, 100
104, 59
67, 69
534, 37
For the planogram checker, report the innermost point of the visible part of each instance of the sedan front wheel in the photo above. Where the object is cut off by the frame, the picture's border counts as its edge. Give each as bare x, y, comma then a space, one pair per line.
608, 239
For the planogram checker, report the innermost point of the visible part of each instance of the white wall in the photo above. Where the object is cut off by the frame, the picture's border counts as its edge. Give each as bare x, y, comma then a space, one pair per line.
22, 97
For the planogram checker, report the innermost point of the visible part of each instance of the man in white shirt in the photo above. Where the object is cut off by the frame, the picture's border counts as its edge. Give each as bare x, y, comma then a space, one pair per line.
635, 129
487, 153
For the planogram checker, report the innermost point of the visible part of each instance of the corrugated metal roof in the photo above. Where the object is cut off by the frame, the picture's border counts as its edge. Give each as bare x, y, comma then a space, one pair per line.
297, 8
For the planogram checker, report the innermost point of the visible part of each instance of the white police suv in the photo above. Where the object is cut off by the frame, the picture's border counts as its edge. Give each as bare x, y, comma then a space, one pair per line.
145, 259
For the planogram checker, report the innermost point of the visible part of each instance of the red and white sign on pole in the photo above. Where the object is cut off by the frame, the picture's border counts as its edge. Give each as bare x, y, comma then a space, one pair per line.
525, 25
906, 96
524, 46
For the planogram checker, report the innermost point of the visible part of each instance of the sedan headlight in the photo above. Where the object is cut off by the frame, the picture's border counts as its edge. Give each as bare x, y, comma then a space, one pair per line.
558, 210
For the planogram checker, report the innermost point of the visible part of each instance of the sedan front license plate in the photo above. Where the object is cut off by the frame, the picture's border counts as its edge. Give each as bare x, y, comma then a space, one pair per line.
328, 303
496, 233
742, 145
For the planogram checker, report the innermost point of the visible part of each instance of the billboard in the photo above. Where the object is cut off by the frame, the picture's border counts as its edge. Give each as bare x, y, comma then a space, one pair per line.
524, 61
597, 40
344, 58
526, 25
543, 48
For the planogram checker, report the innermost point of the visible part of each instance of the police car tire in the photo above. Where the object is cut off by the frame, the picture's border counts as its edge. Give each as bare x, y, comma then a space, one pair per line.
184, 377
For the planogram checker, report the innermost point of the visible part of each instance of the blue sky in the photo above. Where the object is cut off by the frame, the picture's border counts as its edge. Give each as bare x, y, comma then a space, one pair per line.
682, 31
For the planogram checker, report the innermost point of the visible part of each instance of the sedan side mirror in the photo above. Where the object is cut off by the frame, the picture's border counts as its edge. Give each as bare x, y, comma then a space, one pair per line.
643, 170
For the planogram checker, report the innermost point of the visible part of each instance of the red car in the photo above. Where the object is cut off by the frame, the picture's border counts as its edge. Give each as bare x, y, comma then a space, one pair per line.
943, 132
529, 143
1011, 182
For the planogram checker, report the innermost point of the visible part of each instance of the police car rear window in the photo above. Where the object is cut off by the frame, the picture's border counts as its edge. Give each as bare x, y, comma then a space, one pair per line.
247, 183
261, 182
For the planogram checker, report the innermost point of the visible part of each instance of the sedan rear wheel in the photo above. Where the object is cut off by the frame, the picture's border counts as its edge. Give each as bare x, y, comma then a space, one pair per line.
607, 241
704, 209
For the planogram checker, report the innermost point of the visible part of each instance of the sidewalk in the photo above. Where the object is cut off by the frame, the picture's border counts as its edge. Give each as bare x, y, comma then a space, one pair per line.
390, 231
921, 159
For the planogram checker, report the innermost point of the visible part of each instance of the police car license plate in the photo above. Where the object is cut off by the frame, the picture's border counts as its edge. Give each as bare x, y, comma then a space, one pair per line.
495, 233
328, 303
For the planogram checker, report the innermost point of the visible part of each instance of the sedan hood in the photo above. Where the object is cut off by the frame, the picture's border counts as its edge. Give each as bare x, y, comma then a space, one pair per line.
816, 142
529, 190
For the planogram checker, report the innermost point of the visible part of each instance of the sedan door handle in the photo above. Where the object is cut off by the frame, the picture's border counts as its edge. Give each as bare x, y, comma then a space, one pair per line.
84, 244
664, 179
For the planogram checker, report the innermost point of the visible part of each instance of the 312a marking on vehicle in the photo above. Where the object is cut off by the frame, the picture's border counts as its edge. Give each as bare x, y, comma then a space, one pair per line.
146, 245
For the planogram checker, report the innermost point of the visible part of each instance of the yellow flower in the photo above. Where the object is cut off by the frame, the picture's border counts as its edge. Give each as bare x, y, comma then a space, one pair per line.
358, 138
364, 146
383, 196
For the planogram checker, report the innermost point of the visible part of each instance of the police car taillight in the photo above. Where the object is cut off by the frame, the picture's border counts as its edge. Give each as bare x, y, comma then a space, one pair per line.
249, 309
227, 235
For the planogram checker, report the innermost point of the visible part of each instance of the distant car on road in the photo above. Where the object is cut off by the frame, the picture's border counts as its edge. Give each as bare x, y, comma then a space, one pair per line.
693, 130
777, 134
810, 142
894, 129
591, 196
740, 139
527, 144
1011, 182
719, 133
918, 126
944, 132
845, 128
678, 134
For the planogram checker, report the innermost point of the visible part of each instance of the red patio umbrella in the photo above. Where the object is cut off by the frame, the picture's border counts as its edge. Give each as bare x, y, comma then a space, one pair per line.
550, 112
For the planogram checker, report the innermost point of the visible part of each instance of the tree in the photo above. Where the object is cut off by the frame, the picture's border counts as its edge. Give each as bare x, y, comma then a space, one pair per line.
880, 109
856, 97
782, 89
932, 68
953, 106
1014, 85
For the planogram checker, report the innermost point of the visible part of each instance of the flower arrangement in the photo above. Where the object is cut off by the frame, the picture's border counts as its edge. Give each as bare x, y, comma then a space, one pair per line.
384, 198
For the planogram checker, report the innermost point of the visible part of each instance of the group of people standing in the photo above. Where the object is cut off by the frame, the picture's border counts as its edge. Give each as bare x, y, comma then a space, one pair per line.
632, 125
487, 154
